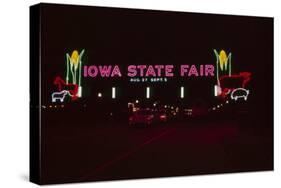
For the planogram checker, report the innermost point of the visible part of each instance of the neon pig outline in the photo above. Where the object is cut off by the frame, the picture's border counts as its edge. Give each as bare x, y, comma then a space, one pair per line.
245, 97
60, 97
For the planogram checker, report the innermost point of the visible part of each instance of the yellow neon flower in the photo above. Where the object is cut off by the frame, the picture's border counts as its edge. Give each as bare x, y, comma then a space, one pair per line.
74, 59
223, 60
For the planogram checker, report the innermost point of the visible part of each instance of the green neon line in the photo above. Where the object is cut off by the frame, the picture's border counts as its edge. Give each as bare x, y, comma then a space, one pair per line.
80, 65
229, 64
71, 70
216, 53
79, 81
67, 68
74, 74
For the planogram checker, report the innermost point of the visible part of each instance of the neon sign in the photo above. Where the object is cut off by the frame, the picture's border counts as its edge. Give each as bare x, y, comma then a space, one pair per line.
239, 93
223, 65
59, 95
72, 84
143, 71
223, 62
241, 80
71, 88
73, 66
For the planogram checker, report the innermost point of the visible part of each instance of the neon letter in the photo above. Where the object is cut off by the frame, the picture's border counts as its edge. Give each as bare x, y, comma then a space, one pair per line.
92, 71
85, 72
209, 70
141, 67
150, 71
169, 70
193, 71
159, 67
184, 69
105, 70
116, 71
132, 71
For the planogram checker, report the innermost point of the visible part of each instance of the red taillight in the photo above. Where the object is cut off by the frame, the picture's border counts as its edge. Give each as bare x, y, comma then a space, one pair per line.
162, 117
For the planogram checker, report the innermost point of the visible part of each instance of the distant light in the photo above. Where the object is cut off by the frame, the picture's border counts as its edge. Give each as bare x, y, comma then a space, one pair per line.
113, 92
154, 104
165, 106
221, 104
62, 105
43, 106
218, 106
147, 92
182, 92
226, 102
50, 106
214, 108
55, 106
137, 101
99, 95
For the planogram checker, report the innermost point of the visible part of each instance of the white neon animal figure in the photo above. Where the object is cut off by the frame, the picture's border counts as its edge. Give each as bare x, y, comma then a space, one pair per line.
59, 95
239, 93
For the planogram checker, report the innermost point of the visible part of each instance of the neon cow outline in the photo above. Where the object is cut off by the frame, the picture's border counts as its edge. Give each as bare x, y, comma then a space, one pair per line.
246, 76
245, 97
60, 83
59, 95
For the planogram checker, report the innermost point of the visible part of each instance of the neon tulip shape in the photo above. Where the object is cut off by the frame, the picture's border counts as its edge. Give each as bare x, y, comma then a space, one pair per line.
223, 62
74, 66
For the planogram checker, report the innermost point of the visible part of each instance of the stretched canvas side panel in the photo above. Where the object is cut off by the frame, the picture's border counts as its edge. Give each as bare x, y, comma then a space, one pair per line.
34, 164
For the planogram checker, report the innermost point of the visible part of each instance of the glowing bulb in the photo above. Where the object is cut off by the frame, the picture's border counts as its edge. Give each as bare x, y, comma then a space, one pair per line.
182, 92
147, 92
113, 92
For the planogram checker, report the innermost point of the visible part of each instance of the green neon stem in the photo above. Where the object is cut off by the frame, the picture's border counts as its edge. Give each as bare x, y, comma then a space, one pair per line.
67, 69
71, 70
79, 81
80, 66
229, 64
74, 78
217, 64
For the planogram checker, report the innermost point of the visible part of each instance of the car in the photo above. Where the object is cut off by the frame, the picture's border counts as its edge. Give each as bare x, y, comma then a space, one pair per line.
142, 116
161, 116
239, 93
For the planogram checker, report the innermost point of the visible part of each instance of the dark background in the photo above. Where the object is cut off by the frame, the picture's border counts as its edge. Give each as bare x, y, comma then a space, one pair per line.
124, 37
128, 36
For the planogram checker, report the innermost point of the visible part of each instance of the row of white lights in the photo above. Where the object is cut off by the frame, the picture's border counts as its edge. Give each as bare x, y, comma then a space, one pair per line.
147, 93
219, 105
